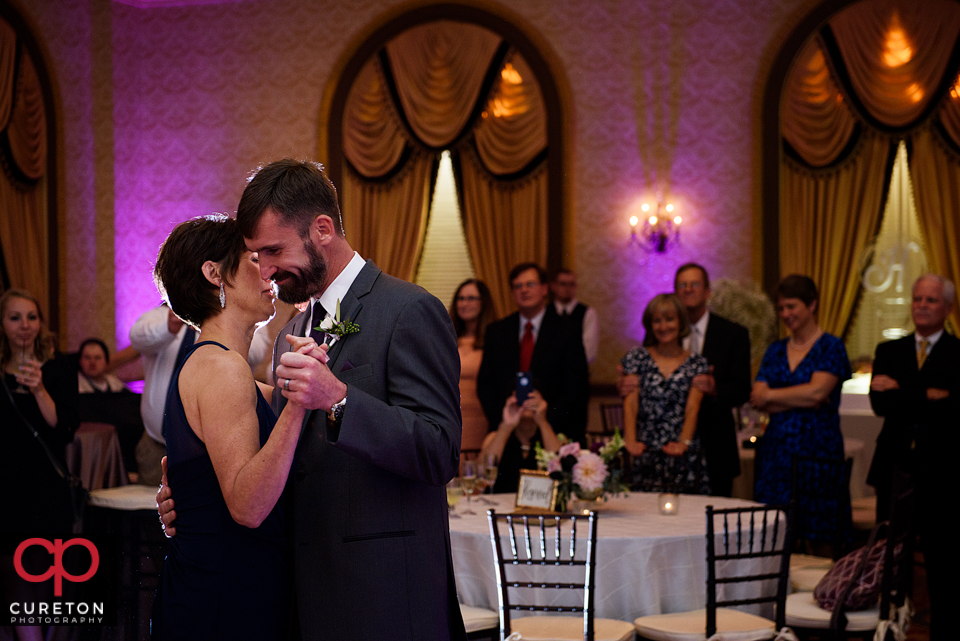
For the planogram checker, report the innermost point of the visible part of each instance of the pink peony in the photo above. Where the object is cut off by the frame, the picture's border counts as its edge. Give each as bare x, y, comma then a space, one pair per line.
589, 472
570, 449
553, 465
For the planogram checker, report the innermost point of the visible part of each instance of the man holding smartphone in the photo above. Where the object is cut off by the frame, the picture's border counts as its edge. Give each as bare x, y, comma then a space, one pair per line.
535, 347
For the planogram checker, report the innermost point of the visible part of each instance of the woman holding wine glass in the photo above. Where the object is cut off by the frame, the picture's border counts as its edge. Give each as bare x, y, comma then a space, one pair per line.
39, 397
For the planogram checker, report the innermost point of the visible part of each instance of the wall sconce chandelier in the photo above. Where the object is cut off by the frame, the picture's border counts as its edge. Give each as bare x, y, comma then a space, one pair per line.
659, 231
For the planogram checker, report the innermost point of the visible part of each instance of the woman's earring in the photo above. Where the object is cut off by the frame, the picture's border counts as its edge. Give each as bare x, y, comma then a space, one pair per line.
223, 297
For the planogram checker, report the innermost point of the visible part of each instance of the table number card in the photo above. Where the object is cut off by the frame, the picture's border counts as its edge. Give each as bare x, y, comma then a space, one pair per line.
537, 492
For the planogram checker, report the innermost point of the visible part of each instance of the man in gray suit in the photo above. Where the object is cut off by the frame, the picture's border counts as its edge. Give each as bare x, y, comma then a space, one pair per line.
370, 534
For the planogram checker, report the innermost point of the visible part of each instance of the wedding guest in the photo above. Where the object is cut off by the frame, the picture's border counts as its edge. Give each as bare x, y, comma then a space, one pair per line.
916, 389
564, 290
38, 408
514, 441
799, 386
93, 376
535, 340
660, 417
471, 311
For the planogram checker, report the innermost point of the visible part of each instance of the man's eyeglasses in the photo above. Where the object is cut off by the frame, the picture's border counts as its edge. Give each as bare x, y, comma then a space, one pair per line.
694, 285
530, 284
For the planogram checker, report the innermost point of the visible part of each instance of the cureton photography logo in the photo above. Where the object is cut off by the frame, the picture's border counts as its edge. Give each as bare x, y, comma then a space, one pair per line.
59, 581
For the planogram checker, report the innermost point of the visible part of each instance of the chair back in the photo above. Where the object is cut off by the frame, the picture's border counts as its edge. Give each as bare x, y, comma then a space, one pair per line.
898, 558
612, 415
548, 543
750, 535
820, 491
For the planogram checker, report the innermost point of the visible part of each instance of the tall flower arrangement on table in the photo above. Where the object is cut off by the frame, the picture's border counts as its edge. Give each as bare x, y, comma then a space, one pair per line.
586, 474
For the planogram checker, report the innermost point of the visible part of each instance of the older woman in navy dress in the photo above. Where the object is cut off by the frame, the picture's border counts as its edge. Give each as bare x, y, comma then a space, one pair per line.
227, 575
799, 386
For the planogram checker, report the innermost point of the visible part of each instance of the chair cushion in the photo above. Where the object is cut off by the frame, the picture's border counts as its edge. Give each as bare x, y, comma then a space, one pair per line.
475, 619
807, 570
691, 626
806, 579
803, 612
554, 628
799, 561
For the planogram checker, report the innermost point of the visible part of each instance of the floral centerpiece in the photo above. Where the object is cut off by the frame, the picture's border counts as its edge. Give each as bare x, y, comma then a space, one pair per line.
587, 474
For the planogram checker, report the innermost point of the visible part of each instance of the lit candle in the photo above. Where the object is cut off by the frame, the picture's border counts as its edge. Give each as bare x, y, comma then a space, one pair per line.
669, 503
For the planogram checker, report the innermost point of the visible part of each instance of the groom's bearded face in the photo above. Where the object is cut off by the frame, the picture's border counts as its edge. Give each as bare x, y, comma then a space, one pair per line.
299, 287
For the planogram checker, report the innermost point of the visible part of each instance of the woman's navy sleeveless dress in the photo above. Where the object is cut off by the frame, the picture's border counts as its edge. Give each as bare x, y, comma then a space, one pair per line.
220, 580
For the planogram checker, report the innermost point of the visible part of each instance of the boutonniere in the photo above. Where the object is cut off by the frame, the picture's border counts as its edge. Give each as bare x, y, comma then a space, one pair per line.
335, 327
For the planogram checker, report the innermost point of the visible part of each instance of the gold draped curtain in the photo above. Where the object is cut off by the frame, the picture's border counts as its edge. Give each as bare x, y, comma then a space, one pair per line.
896, 55
23, 154
426, 91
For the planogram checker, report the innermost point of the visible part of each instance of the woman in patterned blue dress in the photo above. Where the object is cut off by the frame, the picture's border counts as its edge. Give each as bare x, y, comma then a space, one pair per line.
660, 417
799, 386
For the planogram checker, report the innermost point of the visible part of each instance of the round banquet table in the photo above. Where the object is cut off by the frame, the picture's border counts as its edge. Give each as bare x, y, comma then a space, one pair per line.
647, 563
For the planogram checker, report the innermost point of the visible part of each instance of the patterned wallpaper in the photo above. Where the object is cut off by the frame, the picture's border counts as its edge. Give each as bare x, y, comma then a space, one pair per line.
167, 109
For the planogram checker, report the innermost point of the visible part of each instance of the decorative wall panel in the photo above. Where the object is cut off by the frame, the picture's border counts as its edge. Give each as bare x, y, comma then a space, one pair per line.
663, 93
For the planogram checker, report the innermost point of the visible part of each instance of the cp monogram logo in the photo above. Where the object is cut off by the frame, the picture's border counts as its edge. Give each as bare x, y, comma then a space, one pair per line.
56, 570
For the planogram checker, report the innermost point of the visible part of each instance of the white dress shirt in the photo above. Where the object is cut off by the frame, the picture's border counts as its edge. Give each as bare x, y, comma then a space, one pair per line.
698, 334
336, 291
536, 321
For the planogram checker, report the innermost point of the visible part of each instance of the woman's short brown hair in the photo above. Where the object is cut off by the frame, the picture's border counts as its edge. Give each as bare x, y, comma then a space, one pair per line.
179, 271
664, 300
798, 286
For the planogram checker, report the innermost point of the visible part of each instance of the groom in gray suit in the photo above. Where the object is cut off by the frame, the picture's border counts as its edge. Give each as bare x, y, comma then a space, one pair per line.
370, 534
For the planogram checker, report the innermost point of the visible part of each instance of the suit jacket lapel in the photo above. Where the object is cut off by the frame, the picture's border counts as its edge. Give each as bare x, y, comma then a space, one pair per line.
350, 308
544, 336
710, 338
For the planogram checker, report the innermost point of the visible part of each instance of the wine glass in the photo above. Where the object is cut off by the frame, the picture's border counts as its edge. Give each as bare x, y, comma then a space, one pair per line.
454, 492
490, 471
23, 360
468, 481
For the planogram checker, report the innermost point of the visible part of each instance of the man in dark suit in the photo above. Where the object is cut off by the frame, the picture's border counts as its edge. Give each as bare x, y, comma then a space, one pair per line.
537, 340
370, 533
916, 388
726, 346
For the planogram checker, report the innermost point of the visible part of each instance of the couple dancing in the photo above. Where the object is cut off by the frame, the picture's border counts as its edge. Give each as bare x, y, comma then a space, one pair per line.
322, 515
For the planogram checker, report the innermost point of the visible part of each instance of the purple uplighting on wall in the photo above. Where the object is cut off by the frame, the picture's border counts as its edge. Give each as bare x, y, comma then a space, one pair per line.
139, 231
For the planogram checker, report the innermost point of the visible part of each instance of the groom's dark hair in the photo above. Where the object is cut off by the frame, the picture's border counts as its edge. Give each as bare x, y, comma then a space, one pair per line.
298, 191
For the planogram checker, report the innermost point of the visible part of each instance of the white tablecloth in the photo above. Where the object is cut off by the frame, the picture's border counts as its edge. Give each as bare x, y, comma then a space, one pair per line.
646, 563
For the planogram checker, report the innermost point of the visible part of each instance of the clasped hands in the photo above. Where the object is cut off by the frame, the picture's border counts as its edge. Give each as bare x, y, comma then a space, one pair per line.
304, 378
673, 448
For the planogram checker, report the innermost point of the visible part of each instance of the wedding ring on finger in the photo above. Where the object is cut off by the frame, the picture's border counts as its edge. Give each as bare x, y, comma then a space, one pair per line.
286, 385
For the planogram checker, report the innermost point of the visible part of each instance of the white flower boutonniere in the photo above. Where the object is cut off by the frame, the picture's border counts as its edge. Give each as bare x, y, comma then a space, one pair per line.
335, 327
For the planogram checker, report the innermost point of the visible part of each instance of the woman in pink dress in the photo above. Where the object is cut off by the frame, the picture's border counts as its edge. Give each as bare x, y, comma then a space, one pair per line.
471, 311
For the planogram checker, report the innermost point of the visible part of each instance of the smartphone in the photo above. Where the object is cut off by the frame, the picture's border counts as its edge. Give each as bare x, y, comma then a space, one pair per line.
524, 386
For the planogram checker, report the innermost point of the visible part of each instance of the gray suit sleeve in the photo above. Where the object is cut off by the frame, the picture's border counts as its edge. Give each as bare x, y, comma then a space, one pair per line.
416, 431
